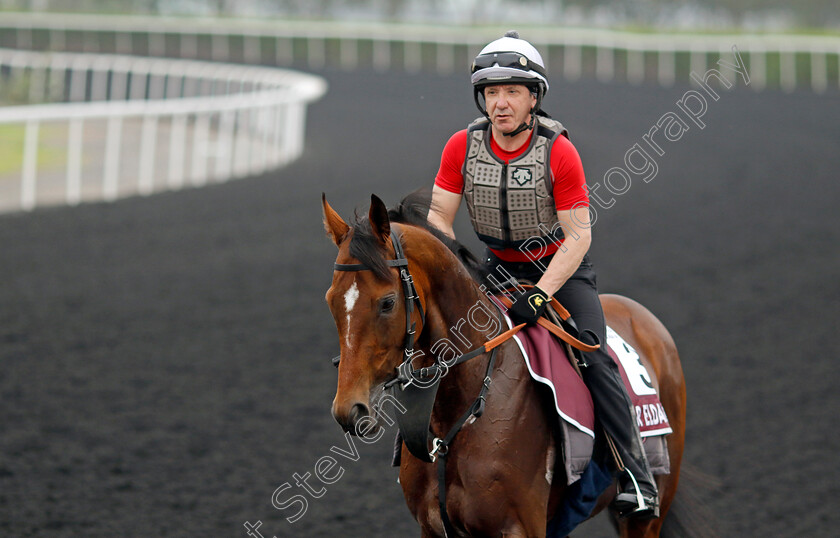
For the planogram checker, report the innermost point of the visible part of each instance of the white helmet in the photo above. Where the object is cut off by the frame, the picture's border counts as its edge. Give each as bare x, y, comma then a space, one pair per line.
508, 60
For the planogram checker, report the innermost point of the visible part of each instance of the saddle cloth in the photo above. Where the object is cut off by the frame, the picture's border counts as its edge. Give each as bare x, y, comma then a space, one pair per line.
548, 363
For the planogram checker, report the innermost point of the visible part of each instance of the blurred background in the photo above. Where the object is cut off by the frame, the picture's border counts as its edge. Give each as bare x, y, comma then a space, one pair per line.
164, 343
708, 14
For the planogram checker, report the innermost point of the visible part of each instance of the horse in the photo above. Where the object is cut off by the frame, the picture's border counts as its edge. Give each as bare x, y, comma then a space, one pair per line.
399, 287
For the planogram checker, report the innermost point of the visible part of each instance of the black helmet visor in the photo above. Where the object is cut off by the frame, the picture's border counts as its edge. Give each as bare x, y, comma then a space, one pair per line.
506, 59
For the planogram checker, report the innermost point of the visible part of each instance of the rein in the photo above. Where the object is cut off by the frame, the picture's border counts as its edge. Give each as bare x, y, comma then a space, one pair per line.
417, 389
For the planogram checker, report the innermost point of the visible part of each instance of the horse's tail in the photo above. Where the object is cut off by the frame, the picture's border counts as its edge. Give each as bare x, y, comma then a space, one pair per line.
689, 516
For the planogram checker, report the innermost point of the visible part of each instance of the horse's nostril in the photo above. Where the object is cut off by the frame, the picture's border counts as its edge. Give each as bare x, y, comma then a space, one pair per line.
349, 420
357, 412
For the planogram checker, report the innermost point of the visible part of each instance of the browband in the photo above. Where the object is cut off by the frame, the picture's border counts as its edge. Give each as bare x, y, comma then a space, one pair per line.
399, 262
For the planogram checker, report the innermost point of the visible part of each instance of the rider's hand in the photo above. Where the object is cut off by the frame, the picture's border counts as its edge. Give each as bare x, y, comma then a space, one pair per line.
529, 306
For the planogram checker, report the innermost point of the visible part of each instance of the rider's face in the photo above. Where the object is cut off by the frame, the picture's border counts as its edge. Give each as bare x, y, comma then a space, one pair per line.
508, 105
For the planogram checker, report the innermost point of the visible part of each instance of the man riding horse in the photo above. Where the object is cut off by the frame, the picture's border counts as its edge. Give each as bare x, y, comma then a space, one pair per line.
524, 186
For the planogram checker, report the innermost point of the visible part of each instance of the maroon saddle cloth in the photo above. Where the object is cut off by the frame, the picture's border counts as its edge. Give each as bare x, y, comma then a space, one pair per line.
549, 364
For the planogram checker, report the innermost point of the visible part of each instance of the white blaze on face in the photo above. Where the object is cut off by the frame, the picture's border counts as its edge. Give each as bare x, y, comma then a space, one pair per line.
350, 298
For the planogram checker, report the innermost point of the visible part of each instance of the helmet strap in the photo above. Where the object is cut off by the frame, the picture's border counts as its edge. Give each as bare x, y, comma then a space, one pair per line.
523, 126
478, 94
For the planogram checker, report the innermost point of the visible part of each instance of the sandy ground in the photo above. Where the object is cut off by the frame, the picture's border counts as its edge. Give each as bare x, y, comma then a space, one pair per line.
164, 361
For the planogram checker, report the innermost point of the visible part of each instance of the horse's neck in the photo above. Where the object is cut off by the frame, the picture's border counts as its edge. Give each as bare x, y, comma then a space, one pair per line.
460, 318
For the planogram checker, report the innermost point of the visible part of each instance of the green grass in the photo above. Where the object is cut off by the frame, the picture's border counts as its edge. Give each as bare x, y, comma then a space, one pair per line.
11, 148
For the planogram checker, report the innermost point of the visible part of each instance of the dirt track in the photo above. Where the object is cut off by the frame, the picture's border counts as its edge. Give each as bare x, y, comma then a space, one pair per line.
164, 362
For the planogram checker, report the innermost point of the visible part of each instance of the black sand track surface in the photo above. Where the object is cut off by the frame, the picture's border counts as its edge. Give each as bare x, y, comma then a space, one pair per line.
164, 362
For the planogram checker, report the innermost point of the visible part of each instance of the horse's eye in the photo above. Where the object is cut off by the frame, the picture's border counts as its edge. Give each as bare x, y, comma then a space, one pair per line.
387, 304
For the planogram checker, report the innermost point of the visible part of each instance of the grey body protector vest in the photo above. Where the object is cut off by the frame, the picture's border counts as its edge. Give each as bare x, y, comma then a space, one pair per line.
511, 203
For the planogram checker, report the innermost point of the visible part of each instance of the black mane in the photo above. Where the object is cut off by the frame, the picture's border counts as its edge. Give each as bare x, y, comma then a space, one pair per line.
413, 210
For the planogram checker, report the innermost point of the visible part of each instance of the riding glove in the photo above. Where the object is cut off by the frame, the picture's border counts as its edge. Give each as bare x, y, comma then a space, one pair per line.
529, 306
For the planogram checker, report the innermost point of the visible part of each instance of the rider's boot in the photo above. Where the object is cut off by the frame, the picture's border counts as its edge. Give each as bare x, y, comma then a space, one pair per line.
637, 496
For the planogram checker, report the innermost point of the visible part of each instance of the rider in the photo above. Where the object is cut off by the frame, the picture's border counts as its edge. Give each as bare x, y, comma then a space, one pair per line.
525, 190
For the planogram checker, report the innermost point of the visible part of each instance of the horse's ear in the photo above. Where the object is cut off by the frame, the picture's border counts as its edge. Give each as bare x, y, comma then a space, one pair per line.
378, 217
333, 223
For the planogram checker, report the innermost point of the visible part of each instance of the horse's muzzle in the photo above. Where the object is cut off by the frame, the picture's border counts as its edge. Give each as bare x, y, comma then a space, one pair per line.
350, 419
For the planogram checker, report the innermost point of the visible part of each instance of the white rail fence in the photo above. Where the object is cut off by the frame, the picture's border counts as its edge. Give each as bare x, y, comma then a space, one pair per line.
128, 125
781, 61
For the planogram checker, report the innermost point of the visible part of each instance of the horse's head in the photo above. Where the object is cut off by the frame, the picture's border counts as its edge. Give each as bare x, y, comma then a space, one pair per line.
368, 304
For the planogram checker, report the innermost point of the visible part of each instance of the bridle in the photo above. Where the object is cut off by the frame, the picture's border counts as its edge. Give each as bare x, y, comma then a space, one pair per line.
409, 292
406, 376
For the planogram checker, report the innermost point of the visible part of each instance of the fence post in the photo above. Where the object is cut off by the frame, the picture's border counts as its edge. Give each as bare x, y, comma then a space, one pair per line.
113, 144
188, 45
148, 143
224, 145
30, 165
124, 42
276, 155
201, 133
177, 141
445, 57
252, 49
819, 71
572, 62
758, 67
37, 83
381, 54
316, 54
349, 52
666, 66
75, 132
99, 81
78, 83
635, 66
412, 56
219, 47
604, 61
58, 39
284, 53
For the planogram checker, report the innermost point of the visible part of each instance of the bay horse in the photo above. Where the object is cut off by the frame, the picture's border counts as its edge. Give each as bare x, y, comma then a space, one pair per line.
399, 284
